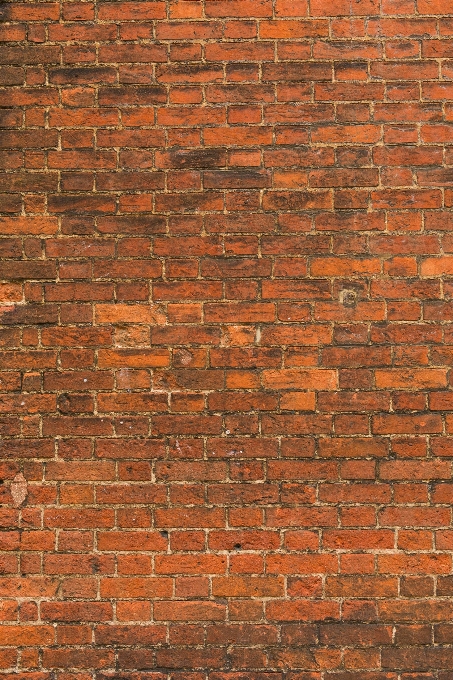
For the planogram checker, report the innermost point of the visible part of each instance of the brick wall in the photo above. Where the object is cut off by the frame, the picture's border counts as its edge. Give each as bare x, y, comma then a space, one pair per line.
226, 398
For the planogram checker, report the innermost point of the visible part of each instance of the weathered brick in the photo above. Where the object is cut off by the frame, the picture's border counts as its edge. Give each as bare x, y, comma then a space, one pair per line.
226, 345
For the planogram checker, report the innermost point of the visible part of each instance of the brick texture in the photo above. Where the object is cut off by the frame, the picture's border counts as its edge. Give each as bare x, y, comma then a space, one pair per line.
226, 283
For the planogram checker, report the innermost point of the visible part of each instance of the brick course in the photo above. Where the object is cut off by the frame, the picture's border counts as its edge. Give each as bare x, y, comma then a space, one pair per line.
225, 381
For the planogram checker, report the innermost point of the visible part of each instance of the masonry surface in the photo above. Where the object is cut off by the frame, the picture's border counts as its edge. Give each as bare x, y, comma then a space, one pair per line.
226, 340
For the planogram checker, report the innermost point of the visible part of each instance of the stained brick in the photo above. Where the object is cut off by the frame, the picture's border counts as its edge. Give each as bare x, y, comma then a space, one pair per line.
226, 409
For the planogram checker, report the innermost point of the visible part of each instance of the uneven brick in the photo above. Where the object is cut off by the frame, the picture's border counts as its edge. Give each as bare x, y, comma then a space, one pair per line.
225, 344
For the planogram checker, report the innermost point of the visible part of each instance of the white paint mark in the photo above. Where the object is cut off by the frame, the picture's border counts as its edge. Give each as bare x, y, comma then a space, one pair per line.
19, 490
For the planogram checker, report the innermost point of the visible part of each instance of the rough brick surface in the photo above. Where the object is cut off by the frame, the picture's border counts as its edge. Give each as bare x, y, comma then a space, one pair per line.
226, 282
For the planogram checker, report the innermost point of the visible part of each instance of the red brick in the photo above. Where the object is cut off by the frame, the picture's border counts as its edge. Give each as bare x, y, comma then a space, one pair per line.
415, 610
132, 11
189, 611
302, 610
28, 635
413, 517
226, 344
78, 658
413, 564
28, 225
410, 379
126, 588
353, 448
407, 424
377, 539
239, 8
